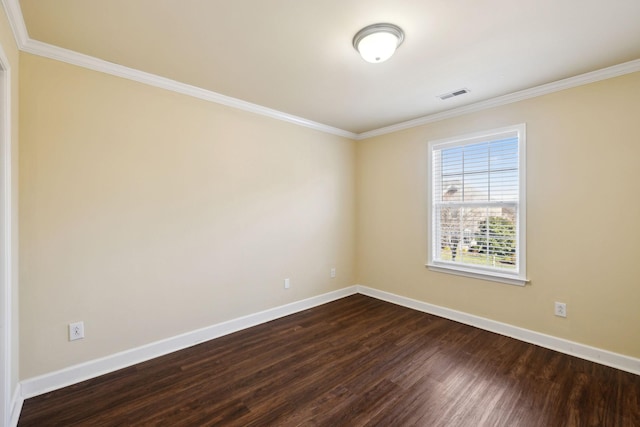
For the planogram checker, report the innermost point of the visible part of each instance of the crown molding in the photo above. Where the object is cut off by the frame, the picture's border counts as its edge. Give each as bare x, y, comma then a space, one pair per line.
545, 89
16, 22
35, 47
60, 54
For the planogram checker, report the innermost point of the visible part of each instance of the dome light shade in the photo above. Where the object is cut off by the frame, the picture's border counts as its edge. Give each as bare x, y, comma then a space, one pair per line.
377, 42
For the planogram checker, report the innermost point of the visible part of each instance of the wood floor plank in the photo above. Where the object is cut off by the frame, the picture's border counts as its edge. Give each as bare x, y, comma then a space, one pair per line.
357, 361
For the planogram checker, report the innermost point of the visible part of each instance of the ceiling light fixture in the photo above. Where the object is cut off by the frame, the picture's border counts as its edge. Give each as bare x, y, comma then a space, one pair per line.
377, 42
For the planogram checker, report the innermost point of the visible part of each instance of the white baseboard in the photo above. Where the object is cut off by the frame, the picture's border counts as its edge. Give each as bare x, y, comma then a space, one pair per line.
94, 368
593, 354
16, 406
75, 374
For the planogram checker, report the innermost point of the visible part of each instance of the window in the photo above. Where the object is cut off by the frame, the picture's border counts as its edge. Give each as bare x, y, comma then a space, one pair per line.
477, 205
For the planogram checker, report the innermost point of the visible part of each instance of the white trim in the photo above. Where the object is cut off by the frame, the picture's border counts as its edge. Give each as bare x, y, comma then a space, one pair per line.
480, 136
35, 47
84, 371
6, 279
74, 374
477, 274
593, 354
16, 406
64, 55
517, 277
545, 89
26, 44
16, 21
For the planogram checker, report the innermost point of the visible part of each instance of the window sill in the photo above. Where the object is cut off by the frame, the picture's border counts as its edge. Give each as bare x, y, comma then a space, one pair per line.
494, 277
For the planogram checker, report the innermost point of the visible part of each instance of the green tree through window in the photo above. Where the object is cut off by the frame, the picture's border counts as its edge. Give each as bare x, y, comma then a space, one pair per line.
496, 237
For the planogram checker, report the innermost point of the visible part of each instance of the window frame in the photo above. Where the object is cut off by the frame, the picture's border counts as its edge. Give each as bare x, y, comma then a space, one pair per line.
517, 277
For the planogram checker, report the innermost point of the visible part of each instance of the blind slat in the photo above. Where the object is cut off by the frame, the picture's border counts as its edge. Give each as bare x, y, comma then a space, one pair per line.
475, 197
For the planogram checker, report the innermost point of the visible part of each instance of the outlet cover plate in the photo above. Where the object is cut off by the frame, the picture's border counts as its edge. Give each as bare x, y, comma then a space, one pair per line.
560, 309
76, 331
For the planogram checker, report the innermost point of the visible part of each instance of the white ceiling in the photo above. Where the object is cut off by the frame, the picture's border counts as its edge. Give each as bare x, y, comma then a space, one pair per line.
295, 56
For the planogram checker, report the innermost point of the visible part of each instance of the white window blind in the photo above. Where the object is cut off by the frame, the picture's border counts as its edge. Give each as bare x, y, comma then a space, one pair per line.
477, 201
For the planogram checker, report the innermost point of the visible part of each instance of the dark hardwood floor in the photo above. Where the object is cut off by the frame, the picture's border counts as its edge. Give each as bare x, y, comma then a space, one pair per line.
353, 362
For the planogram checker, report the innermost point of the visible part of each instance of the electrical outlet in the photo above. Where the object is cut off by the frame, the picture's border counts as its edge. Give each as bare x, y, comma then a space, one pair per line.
76, 331
561, 309
287, 283
333, 272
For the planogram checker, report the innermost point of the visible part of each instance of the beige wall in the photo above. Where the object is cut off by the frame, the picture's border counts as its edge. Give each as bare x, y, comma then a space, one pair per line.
147, 214
11, 51
583, 216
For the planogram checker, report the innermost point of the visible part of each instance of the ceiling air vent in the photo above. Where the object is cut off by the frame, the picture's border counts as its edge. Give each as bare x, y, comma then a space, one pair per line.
454, 93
